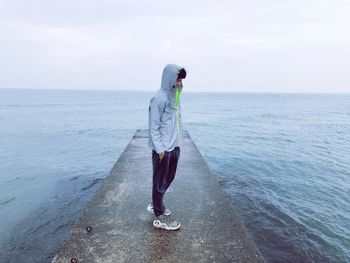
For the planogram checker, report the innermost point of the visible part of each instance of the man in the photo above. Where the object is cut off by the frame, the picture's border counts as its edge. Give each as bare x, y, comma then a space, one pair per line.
165, 136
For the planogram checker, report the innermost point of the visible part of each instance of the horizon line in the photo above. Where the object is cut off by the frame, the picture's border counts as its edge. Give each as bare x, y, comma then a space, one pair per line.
191, 91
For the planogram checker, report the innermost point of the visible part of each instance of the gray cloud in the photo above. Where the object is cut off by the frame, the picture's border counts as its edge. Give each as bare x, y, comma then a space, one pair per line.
294, 46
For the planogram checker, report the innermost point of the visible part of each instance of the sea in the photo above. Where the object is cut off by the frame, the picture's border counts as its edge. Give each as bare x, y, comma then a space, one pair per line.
283, 160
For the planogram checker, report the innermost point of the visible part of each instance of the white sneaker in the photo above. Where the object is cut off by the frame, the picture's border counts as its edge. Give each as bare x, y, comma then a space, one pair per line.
150, 209
164, 223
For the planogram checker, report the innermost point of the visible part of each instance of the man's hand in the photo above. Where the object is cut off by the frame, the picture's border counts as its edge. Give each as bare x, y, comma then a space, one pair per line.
161, 155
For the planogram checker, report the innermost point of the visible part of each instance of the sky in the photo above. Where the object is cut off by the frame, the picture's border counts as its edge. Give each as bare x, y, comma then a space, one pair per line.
232, 46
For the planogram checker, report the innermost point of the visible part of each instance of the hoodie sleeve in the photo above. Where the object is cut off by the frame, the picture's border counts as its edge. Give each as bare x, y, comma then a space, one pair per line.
155, 113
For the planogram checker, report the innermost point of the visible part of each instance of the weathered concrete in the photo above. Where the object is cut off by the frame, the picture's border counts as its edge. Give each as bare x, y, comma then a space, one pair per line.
122, 228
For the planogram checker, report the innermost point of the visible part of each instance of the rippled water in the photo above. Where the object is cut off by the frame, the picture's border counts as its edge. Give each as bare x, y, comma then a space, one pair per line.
283, 159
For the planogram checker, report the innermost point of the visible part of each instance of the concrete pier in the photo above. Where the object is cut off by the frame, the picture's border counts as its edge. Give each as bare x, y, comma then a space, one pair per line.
121, 229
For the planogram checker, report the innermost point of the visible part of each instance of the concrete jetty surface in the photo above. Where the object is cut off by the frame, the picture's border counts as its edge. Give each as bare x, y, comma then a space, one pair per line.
116, 227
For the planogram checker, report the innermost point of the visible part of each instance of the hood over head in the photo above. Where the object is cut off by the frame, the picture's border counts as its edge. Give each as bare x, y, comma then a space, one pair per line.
169, 76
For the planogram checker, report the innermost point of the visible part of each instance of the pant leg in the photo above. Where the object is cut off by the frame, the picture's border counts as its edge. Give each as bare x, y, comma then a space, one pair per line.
172, 165
163, 175
158, 179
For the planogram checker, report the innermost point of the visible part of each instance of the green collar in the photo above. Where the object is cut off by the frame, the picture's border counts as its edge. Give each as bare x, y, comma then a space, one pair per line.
177, 97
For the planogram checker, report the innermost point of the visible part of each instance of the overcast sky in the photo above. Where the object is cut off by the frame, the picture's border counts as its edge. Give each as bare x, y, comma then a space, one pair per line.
251, 45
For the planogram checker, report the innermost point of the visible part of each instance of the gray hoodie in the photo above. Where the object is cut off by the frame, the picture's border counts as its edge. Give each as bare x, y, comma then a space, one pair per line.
164, 119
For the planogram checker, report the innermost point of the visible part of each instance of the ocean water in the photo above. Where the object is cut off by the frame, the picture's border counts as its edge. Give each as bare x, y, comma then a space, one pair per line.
283, 159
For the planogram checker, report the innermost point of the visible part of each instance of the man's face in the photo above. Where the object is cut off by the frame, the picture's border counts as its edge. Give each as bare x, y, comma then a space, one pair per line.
179, 84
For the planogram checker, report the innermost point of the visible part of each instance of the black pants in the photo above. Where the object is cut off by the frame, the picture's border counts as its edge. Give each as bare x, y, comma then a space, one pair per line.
163, 174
